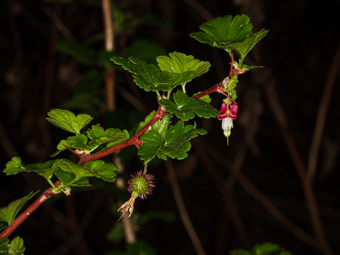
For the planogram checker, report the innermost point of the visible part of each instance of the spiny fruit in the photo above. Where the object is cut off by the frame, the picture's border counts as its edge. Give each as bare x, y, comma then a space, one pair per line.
141, 185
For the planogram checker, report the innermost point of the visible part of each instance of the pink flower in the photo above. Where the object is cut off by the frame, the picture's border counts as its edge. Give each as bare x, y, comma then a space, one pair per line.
227, 115
227, 112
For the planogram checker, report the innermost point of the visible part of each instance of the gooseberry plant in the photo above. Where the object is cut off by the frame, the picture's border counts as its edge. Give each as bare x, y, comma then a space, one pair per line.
165, 132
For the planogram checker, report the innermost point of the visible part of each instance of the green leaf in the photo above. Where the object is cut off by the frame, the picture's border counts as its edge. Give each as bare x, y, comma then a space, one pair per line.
17, 246
70, 167
230, 34
70, 180
111, 136
3, 241
243, 48
205, 98
175, 143
80, 52
185, 107
102, 170
70, 174
231, 87
43, 169
177, 140
79, 141
161, 126
15, 166
8, 213
220, 32
146, 120
148, 76
67, 121
265, 249
181, 63
74, 175
152, 142
4, 245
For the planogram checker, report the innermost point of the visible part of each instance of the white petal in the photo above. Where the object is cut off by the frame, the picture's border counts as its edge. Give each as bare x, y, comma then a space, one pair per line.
227, 124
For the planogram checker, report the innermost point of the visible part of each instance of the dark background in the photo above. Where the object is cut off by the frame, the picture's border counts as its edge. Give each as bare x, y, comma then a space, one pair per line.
298, 53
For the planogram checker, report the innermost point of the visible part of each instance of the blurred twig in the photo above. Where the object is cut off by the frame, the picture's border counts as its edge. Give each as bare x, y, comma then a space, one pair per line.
129, 233
322, 114
182, 210
109, 46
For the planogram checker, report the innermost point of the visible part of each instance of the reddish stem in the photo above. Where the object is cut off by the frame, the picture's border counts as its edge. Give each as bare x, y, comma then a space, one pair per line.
134, 140
215, 88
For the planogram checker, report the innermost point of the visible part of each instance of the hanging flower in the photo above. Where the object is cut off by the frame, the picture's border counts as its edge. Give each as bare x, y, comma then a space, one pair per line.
228, 114
140, 185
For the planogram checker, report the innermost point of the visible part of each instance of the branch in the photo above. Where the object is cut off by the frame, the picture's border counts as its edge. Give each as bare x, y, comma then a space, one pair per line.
134, 140
109, 46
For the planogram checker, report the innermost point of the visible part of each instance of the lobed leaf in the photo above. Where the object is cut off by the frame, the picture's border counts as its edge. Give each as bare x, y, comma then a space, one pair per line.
14, 166
162, 125
243, 48
74, 175
17, 246
67, 120
79, 141
102, 170
174, 144
111, 136
181, 63
177, 140
147, 76
44, 169
185, 107
152, 142
230, 34
220, 32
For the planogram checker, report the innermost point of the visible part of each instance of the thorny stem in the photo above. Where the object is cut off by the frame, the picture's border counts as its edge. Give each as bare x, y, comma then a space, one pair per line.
134, 140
